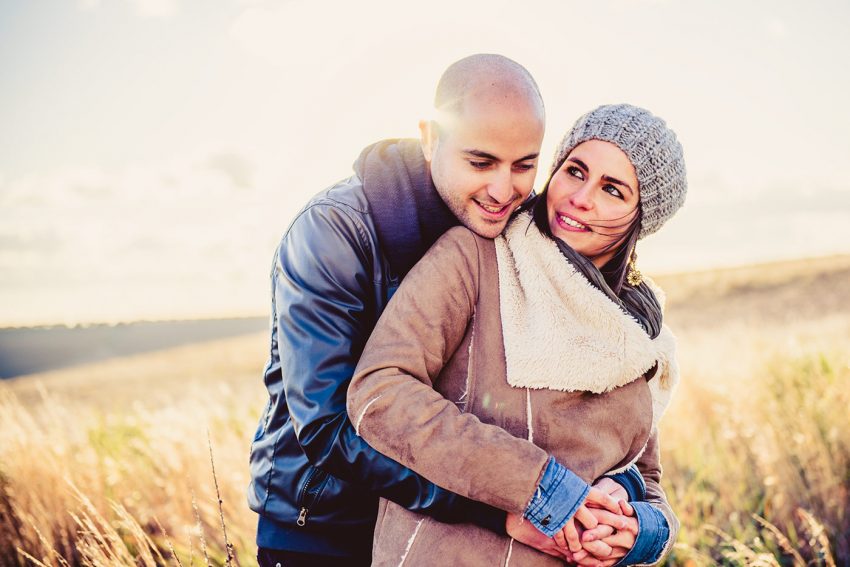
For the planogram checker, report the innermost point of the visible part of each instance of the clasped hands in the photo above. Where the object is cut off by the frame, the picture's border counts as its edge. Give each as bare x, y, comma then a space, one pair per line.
600, 533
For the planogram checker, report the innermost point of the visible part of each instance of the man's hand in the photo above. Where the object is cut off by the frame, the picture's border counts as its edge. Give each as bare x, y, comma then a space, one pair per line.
607, 543
600, 515
613, 489
583, 519
524, 531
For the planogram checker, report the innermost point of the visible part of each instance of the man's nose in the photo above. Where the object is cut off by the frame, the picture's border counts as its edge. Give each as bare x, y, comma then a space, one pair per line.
501, 187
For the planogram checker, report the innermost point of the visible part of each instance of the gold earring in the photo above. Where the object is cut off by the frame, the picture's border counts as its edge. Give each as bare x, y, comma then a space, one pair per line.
634, 277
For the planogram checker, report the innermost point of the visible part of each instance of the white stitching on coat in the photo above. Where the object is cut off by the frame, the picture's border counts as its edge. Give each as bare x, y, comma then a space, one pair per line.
410, 541
363, 413
510, 550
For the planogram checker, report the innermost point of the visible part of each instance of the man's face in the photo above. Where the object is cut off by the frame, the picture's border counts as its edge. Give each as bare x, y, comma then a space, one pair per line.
484, 160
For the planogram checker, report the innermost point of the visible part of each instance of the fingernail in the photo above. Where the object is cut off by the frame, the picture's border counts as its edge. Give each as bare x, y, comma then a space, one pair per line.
589, 537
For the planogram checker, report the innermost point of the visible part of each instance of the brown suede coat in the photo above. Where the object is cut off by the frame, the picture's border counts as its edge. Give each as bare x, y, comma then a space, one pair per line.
431, 391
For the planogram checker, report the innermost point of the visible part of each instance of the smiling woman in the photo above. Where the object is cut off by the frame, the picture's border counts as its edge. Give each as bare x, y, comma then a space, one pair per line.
588, 206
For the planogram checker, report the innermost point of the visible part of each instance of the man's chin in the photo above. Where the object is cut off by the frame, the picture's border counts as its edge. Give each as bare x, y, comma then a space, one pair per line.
487, 228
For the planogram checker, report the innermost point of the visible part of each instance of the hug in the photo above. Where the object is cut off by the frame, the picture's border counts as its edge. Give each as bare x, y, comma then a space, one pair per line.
461, 374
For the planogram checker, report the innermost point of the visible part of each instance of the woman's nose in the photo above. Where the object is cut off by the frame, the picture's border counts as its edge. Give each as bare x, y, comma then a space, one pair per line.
582, 197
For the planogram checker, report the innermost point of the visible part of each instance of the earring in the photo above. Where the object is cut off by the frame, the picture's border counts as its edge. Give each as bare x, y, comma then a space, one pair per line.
634, 277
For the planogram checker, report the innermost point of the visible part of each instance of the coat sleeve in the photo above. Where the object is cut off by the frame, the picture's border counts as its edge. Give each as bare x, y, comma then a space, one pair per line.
393, 404
325, 308
649, 465
662, 386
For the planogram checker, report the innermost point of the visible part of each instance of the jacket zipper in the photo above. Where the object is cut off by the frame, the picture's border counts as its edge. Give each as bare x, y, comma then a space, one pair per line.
302, 514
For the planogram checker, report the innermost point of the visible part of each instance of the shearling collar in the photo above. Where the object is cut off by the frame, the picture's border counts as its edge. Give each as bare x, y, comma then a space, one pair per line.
562, 333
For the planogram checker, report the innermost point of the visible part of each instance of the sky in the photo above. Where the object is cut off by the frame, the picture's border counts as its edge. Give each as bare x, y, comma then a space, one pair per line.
153, 152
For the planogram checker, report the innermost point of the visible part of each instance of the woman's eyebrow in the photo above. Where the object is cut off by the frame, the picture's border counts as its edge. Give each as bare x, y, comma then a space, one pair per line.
578, 162
616, 181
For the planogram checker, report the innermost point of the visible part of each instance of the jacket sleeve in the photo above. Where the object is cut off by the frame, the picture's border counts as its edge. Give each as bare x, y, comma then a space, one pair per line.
325, 305
649, 465
395, 408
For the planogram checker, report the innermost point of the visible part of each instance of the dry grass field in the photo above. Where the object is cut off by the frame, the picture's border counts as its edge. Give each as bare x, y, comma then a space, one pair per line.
110, 463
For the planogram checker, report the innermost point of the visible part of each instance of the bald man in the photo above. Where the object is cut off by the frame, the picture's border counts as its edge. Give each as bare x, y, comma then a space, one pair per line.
315, 483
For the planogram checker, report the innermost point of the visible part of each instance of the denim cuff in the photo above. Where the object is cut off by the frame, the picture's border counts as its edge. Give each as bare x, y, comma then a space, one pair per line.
653, 533
556, 499
632, 481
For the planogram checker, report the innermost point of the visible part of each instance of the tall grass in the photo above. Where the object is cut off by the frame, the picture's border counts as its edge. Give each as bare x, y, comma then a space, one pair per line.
757, 462
759, 475
81, 486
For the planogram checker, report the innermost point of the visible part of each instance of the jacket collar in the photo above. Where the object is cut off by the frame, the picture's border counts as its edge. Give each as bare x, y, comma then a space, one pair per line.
408, 213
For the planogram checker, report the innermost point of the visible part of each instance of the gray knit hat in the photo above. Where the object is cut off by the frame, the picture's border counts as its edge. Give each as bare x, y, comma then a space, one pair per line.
652, 148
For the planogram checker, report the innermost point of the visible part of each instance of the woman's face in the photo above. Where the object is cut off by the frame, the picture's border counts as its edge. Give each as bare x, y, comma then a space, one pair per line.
592, 199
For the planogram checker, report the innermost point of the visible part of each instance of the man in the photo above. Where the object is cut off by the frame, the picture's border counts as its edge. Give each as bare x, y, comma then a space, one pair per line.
315, 483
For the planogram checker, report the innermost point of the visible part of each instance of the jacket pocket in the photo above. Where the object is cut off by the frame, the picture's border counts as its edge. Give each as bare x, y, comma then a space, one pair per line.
262, 426
309, 493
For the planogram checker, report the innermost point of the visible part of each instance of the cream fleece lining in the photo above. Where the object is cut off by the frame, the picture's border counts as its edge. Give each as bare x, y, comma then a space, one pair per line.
562, 333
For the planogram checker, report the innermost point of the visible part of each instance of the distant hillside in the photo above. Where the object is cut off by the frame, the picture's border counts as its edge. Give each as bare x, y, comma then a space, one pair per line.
753, 297
767, 294
38, 349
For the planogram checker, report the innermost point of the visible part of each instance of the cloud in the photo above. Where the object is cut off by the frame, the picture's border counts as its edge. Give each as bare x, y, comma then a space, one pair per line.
180, 238
145, 8
776, 28
88, 4
235, 167
156, 8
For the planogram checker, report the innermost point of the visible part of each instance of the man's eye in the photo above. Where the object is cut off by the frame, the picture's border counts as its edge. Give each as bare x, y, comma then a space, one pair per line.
524, 167
479, 164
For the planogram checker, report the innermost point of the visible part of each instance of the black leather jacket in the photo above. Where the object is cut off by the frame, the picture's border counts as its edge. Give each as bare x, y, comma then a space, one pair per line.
315, 482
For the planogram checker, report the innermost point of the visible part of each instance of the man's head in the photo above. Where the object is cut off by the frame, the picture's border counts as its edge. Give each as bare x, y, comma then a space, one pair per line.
484, 142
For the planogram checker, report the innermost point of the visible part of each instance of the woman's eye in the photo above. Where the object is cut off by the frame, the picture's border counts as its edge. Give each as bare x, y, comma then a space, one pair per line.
575, 172
613, 191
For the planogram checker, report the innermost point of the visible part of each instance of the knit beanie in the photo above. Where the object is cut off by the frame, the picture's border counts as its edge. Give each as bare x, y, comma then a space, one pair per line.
652, 148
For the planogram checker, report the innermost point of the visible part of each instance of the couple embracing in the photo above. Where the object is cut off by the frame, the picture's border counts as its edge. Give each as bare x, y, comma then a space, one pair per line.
462, 372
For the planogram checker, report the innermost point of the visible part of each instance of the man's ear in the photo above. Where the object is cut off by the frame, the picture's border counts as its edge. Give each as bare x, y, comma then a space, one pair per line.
427, 138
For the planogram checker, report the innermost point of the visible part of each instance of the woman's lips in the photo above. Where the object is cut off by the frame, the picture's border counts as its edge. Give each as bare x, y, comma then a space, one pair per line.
570, 224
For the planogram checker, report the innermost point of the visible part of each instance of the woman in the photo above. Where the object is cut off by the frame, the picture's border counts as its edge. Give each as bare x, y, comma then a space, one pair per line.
517, 371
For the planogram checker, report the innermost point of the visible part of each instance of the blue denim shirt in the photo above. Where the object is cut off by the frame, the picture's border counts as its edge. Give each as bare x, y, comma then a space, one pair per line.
561, 492
557, 498
632, 481
653, 533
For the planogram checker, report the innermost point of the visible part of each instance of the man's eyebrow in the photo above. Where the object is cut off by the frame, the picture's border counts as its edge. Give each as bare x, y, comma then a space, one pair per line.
482, 155
528, 157
485, 155
616, 181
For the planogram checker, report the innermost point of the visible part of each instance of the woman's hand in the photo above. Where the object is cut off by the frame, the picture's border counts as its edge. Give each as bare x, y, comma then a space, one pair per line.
607, 543
597, 506
613, 489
